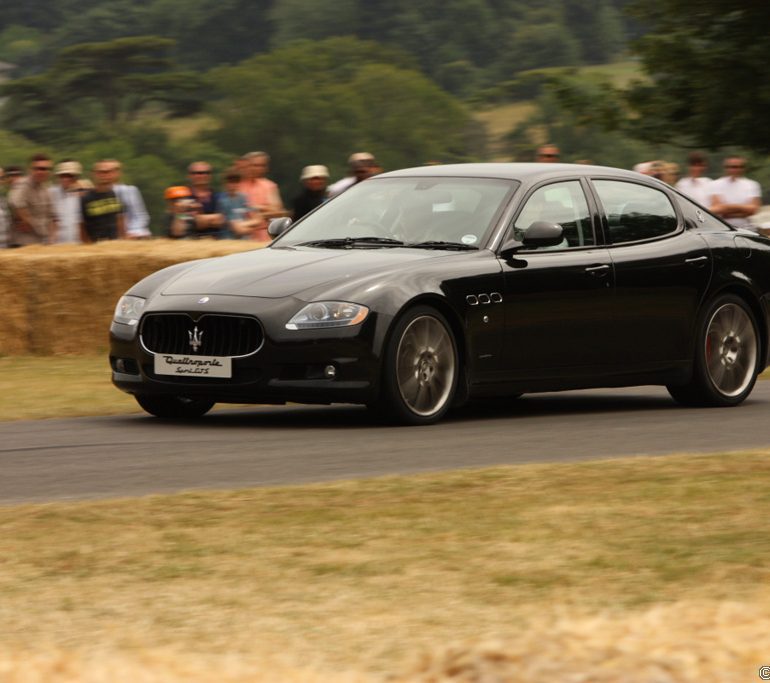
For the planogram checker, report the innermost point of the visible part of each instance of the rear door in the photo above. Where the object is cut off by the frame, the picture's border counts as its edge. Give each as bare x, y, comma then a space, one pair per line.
662, 271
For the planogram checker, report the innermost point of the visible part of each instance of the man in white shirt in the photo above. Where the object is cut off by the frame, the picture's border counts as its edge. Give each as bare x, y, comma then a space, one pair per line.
137, 220
695, 185
66, 201
734, 197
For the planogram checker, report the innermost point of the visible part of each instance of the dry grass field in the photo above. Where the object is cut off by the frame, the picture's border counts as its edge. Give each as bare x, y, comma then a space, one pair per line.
639, 570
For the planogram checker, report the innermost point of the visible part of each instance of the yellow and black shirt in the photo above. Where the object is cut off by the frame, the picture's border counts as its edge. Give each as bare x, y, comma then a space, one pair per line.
100, 214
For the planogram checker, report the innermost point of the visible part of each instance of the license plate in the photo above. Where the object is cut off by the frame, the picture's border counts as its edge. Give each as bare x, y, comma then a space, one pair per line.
192, 366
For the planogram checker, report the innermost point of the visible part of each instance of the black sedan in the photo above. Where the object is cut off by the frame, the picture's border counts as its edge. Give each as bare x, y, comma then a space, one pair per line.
419, 289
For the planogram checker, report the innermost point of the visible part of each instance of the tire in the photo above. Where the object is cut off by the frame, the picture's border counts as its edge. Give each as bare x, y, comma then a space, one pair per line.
727, 356
175, 407
421, 369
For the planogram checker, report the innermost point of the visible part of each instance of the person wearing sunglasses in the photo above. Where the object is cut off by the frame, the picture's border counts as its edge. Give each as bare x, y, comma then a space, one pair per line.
102, 213
34, 216
735, 197
547, 154
209, 221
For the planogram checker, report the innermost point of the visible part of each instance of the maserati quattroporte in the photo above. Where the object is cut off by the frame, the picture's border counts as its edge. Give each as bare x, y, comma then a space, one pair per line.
419, 289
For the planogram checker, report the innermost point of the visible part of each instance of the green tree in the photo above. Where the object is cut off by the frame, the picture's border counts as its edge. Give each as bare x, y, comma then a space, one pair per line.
99, 22
212, 32
534, 46
414, 121
124, 74
15, 149
19, 42
35, 109
40, 14
298, 19
597, 27
92, 82
315, 102
707, 65
577, 115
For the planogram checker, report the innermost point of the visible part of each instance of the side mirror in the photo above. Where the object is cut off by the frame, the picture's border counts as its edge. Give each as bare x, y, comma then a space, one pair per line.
543, 234
539, 234
278, 226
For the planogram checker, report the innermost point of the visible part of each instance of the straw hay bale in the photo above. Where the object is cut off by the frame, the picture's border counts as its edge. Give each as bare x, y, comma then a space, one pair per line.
14, 285
60, 300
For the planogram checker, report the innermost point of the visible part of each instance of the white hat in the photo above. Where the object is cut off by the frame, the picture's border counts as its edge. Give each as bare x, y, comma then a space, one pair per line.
69, 168
360, 156
317, 171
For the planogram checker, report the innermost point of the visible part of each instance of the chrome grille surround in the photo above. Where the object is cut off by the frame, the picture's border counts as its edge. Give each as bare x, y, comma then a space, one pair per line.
223, 335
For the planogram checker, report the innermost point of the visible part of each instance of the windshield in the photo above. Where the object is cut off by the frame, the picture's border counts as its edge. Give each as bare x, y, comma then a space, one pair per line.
429, 212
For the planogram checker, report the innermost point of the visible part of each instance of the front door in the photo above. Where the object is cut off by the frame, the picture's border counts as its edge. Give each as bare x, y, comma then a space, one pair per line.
558, 300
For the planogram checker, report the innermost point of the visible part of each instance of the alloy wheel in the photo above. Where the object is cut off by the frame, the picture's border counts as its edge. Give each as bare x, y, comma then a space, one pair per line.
425, 365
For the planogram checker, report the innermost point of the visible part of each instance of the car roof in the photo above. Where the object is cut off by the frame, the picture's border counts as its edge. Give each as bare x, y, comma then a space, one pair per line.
529, 172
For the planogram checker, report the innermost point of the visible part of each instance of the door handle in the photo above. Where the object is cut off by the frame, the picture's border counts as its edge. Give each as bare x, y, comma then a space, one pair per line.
697, 261
598, 271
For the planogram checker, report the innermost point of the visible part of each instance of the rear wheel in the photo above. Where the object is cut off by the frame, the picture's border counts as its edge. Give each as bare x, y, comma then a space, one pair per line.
727, 356
421, 368
178, 407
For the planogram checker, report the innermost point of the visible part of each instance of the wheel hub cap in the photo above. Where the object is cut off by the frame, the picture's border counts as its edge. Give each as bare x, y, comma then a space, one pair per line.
731, 347
426, 367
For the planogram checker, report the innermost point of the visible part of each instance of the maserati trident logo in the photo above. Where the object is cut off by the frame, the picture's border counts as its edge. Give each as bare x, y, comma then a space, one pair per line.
196, 338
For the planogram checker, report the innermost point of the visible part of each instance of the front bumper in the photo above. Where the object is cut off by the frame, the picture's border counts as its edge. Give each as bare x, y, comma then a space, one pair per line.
289, 365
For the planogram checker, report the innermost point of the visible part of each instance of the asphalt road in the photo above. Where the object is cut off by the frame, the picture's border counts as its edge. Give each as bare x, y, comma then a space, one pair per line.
105, 457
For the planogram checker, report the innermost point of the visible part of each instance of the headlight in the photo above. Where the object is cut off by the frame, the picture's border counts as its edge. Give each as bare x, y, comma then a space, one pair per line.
328, 314
128, 310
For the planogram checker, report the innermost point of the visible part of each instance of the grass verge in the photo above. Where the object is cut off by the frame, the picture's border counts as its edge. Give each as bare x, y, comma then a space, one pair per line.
34, 387
595, 567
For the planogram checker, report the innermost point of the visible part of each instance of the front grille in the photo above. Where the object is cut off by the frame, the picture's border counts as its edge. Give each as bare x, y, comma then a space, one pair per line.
210, 335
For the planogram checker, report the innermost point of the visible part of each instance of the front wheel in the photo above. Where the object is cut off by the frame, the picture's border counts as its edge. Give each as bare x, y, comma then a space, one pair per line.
727, 356
421, 368
176, 407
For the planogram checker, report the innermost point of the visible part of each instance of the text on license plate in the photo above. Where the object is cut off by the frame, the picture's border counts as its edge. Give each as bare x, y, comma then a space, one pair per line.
192, 366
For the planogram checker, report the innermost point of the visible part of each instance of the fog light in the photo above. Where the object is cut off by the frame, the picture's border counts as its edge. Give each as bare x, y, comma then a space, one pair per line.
330, 372
120, 365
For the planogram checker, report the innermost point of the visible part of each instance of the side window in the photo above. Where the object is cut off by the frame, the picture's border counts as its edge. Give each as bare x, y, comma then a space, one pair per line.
562, 203
635, 212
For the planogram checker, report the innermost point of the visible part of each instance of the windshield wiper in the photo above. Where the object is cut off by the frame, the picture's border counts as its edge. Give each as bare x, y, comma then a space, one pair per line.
352, 242
440, 244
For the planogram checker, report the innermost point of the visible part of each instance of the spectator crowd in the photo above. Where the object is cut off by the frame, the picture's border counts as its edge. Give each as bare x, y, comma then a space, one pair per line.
733, 197
72, 209
49, 203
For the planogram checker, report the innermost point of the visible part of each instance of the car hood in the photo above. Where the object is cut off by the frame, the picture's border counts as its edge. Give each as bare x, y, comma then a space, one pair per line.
274, 273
